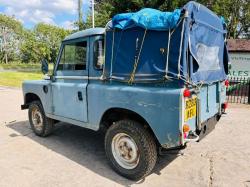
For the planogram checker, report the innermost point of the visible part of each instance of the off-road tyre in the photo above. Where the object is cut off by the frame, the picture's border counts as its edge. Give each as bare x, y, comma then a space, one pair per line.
47, 123
146, 147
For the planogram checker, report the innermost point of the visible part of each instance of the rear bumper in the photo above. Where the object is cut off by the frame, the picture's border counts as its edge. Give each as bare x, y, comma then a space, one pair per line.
208, 126
204, 129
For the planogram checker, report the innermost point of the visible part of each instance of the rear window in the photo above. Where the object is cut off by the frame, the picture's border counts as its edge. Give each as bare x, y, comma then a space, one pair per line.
208, 57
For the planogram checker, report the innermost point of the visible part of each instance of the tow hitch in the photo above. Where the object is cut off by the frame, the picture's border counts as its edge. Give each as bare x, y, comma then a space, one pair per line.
192, 137
189, 135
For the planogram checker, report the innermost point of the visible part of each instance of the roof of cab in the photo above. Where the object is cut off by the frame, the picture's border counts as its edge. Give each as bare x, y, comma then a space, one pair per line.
85, 33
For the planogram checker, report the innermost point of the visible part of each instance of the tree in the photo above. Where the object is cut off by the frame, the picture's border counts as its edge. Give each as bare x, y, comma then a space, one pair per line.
237, 16
236, 12
103, 14
50, 37
10, 33
42, 42
28, 48
106, 9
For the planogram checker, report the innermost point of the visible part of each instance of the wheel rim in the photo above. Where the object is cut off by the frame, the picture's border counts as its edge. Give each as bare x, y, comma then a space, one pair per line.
125, 151
37, 119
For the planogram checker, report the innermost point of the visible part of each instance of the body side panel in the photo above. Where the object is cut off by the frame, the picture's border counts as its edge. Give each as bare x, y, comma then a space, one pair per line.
36, 87
209, 105
157, 105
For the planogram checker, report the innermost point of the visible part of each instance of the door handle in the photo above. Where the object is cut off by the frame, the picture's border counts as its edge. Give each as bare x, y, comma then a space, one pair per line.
79, 96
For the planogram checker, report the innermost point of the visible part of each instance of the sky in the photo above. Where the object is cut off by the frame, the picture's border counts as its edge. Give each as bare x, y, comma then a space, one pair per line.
61, 13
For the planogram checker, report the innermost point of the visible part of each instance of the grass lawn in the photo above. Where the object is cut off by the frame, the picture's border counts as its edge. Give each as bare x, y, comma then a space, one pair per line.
15, 79
14, 66
14, 73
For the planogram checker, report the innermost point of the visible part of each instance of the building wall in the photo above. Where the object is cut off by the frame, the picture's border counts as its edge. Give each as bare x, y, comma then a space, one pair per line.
239, 64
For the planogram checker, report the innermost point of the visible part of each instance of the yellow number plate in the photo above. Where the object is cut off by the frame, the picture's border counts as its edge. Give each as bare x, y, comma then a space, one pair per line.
190, 108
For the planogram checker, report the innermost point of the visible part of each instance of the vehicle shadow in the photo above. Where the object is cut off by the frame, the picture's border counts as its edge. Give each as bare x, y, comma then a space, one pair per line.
84, 147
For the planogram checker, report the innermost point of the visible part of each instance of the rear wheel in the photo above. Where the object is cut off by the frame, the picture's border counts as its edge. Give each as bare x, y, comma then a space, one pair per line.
130, 149
40, 124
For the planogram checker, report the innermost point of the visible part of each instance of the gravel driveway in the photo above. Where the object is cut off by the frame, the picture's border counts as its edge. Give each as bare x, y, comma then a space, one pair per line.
74, 156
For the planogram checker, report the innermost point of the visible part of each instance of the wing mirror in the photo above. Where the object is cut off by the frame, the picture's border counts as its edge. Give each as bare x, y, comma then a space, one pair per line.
45, 66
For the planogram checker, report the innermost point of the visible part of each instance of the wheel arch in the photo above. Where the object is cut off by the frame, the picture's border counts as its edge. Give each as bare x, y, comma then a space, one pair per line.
112, 115
30, 97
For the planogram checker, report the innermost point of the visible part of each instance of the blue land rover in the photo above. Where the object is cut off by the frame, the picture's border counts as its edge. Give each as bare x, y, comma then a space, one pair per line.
150, 80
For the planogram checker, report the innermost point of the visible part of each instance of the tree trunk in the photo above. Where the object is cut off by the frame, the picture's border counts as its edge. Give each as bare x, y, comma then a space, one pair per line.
6, 58
4, 45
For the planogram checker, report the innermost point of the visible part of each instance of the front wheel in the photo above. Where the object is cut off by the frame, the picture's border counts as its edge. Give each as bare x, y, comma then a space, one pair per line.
40, 124
130, 149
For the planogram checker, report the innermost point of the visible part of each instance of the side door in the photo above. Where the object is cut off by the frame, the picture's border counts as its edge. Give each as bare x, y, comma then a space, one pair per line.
69, 86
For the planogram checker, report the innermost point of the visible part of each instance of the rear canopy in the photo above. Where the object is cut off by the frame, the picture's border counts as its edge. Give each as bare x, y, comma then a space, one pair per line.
150, 45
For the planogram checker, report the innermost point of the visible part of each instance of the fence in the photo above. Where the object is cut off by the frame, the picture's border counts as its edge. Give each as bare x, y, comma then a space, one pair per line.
238, 90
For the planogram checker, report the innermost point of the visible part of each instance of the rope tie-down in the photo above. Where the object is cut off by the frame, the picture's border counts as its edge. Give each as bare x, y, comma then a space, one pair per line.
137, 58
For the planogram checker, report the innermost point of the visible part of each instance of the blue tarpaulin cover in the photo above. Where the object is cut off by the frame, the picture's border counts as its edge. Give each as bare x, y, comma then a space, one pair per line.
147, 18
187, 43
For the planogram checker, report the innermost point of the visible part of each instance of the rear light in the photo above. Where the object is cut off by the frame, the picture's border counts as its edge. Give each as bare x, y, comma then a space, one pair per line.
186, 128
224, 106
185, 135
186, 93
226, 83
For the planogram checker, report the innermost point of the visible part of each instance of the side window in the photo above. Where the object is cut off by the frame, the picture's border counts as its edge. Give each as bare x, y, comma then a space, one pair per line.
73, 57
98, 54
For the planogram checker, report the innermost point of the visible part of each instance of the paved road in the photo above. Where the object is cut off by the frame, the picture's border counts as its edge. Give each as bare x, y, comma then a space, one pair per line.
75, 156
